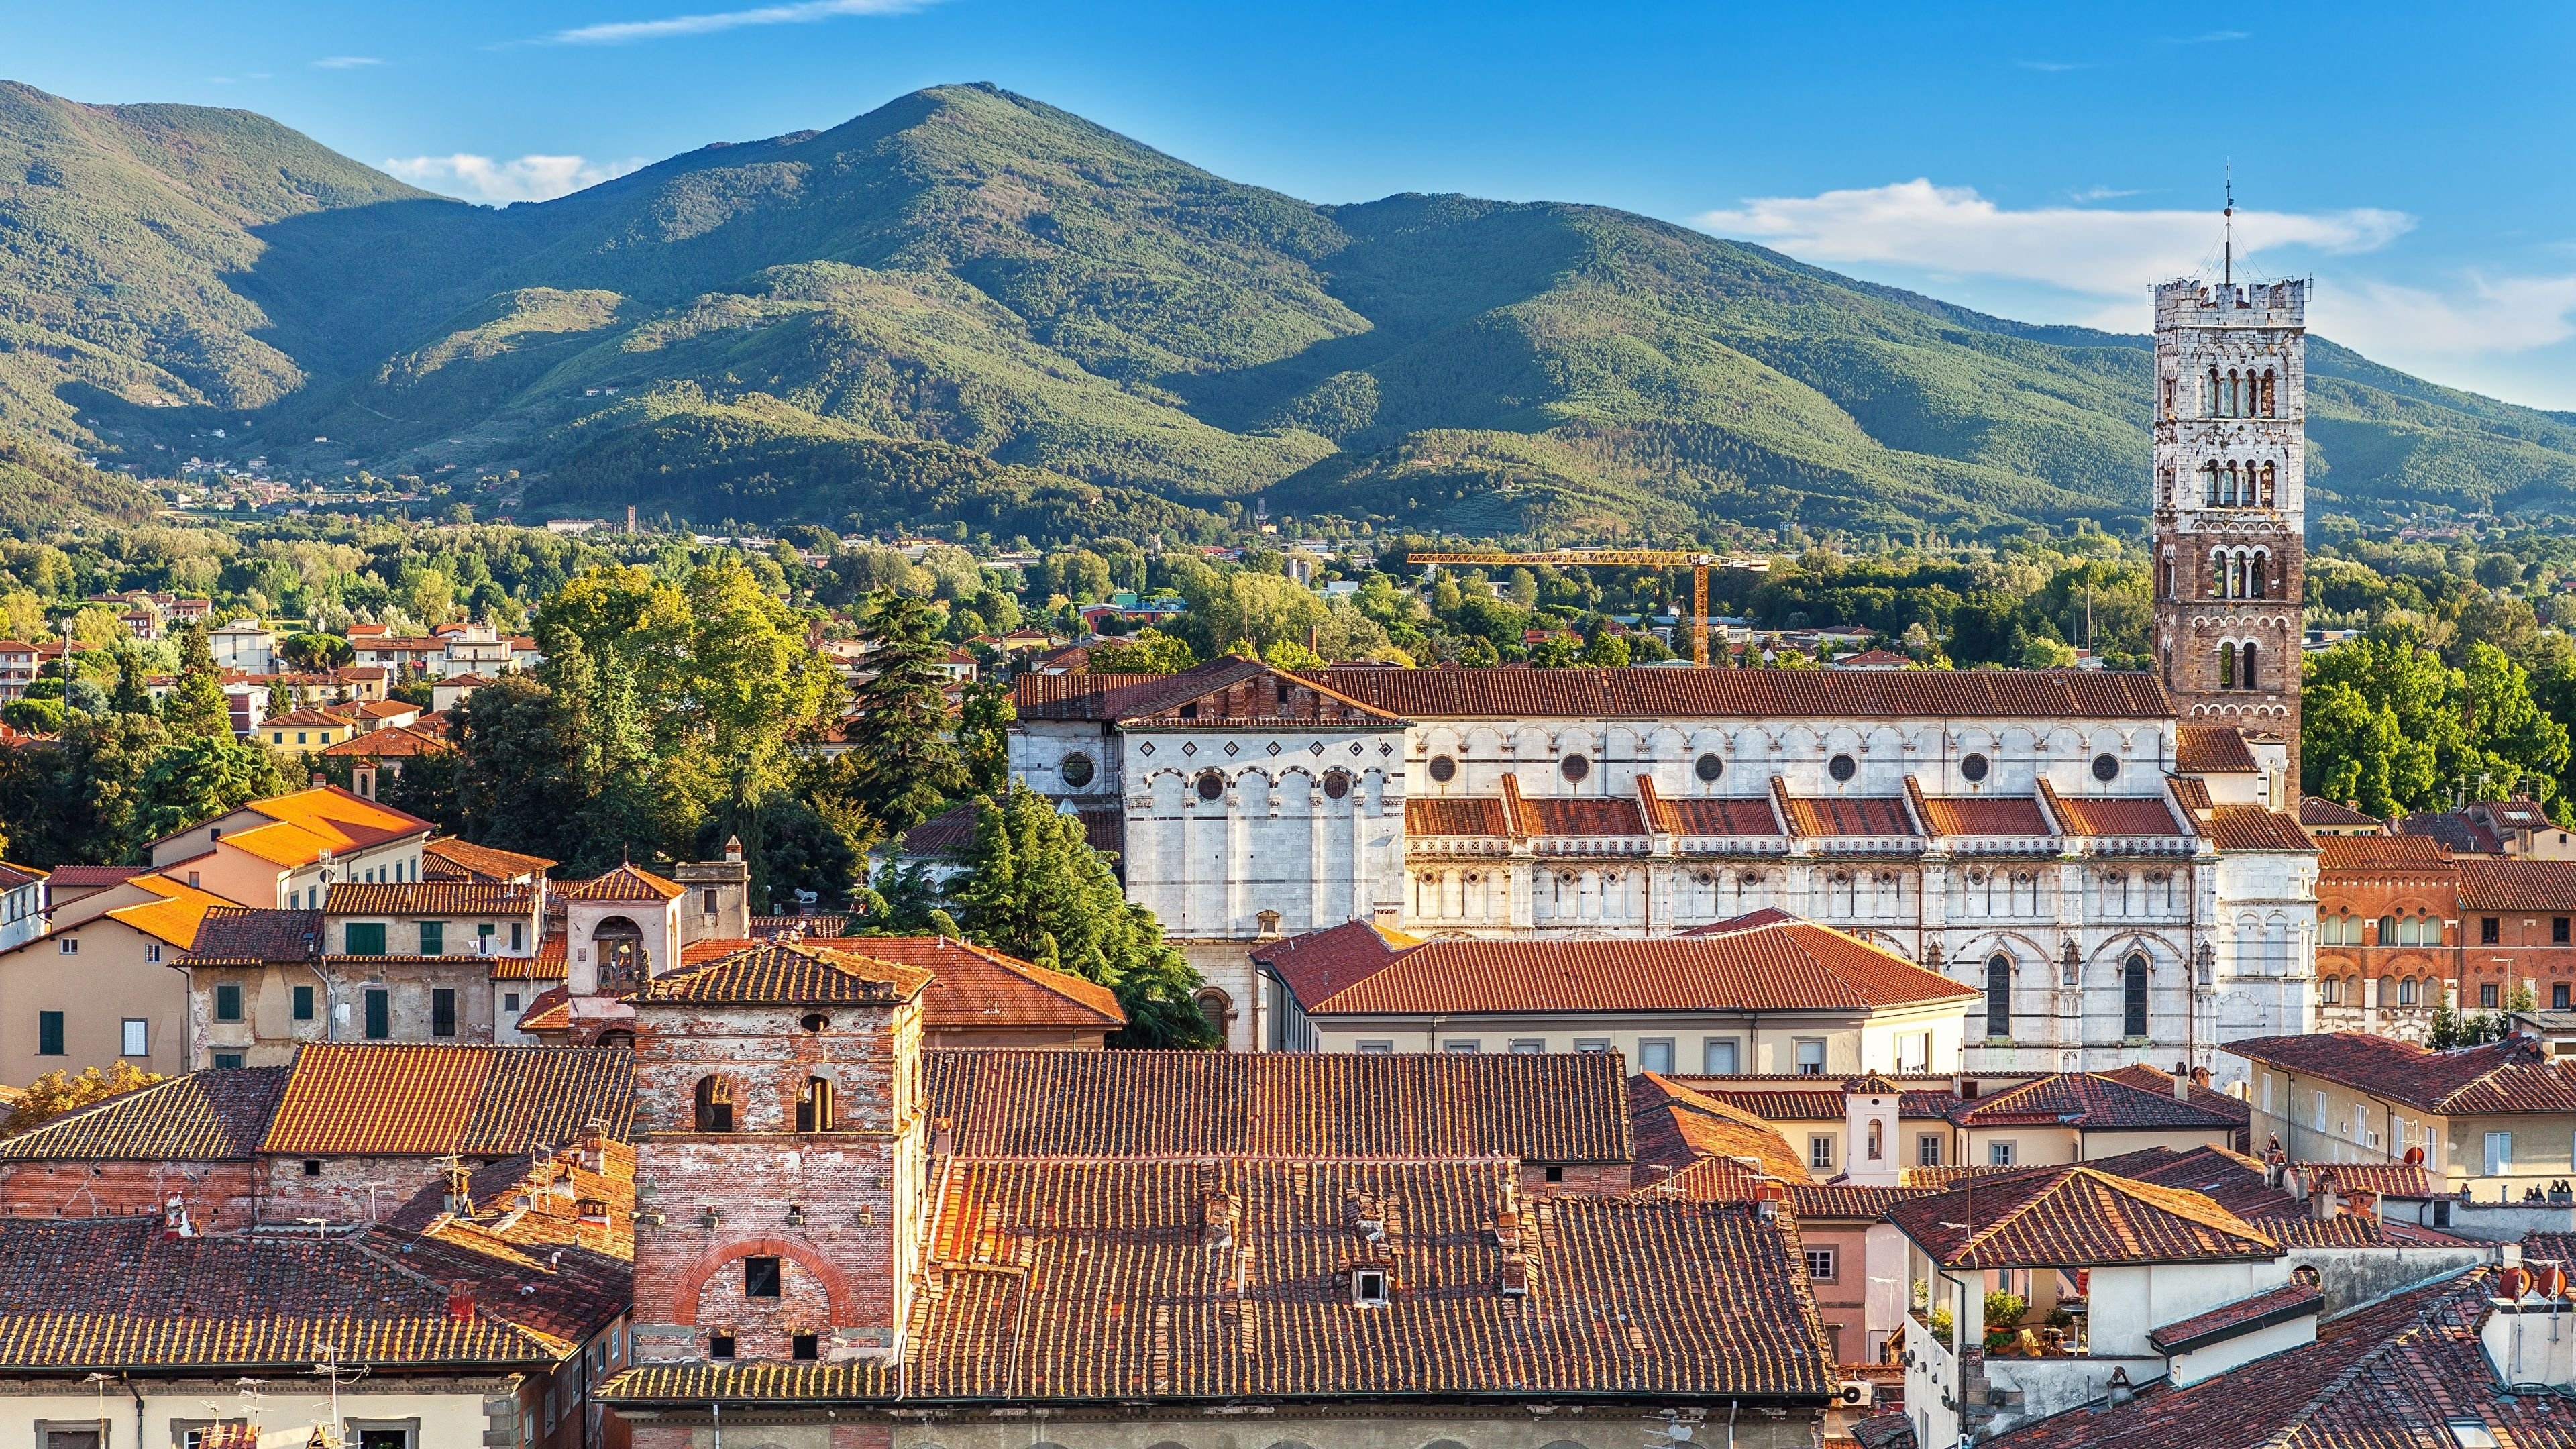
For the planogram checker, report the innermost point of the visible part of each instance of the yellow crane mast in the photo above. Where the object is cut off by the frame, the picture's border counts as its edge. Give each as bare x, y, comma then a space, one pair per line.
1652, 558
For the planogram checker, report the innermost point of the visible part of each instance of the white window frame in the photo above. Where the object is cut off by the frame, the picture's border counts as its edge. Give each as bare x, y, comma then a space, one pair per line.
2499, 1154
1374, 1048
1714, 1049
1529, 1046
1465, 1046
1820, 1265
2003, 1153
1823, 1055
131, 1030
1820, 1151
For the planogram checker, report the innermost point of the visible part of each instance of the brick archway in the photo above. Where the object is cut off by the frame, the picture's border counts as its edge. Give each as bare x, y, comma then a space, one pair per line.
836, 1288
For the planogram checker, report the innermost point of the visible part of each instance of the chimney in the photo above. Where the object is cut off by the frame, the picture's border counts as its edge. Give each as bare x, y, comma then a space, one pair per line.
1221, 1213
362, 781
733, 850
594, 1145
460, 1303
2200, 1078
460, 1191
1768, 1194
174, 1218
2182, 1085
594, 1211
318, 781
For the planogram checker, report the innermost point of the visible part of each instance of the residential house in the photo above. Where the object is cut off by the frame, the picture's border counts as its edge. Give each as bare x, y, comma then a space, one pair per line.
2388, 930
288, 850
2324, 817
455, 689
308, 730
17, 668
1774, 995
104, 984
2496, 1121
2514, 932
246, 645
23, 904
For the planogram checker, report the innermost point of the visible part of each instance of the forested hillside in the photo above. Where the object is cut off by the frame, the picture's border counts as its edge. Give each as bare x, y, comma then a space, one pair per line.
970, 306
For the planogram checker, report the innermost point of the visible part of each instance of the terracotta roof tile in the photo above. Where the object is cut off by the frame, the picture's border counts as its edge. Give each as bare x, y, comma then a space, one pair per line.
1036, 1103
551, 962
2092, 815
779, 973
2316, 810
1983, 815
1579, 815
392, 742
2458, 834
2232, 1320
2139, 1074
2253, 827
1795, 966
2413, 854
67, 877
175, 917
1813, 815
2212, 750
214, 1116
2518, 885
340, 820
1622, 1294
1724, 815
1473, 815
450, 859
345, 1099
1317, 964
430, 898
252, 936
2075, 1215
1677, 1127
2091, 1103
2393, 1372
2499, 1077
116, 1293
1849, 1200
971, 986
1644, 693
626, 883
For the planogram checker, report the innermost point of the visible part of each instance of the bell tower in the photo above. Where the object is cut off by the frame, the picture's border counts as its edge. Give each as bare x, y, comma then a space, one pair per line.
2230, 501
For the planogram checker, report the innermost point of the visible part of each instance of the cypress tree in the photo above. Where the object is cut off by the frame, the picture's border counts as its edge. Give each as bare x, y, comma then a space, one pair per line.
196, 708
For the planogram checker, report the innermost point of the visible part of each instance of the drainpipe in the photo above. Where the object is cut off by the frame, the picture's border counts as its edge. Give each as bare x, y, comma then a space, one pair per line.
138, 1409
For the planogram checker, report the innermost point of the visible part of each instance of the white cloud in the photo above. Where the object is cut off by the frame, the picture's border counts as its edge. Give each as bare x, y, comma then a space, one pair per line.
2092, 250
2513, 314
801, 12
529, 178
346, 62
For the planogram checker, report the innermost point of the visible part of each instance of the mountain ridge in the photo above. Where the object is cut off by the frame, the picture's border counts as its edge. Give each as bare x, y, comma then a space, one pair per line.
967, 306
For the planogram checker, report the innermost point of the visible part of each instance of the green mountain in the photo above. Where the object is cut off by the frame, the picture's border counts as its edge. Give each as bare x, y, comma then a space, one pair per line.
967, 305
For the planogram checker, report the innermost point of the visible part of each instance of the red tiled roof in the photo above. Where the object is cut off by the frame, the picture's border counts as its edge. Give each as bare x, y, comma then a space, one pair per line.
447, 858
430, 898
2518, 885
1317, 964
115, 1293
2457, 833
2073, 1215
550, 963
199, 1117
1647, 693
1983, 815
1580, 815
253, 936
2212, 750
1723, 815
66, 877
2386, 1179
781, 973
2497, 1078
629, 882
1814, 815
2262, 1310
1677, 1127
2147, 1078
2396, 1372
2114, 815
1044, 1103
2316, 810
1625, 1297
345, 1099
2253, 827
971, 986
2413, 854
392, 742
1769, 968
1474, 815
2091, 1103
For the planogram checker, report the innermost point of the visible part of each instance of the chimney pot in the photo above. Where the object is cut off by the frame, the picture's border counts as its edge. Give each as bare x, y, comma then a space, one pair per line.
460, 1303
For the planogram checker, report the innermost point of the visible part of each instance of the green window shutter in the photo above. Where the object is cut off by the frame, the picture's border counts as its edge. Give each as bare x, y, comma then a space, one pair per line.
303, 1003
228, 1001
433, 938
365, 938
380, 1014
49, 1033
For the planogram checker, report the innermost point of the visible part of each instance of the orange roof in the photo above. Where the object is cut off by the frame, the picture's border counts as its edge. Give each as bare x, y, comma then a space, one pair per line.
626, 883
2071, 1216
173, 918
975, 985
391, 742
1778, 966
465, 860
782, 973
2114, 815
2411, 853
2252, 827
308, 717
1814, 815
1677, 1127
2212, 750
303, 825
380, 1100
549, 964
1982, 815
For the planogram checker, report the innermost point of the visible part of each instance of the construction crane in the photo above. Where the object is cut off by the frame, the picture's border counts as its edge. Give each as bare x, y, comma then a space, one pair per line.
1651, 558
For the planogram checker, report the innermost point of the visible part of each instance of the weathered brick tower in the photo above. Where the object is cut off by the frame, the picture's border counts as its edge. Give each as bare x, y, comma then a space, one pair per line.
779, 1160
2230, 431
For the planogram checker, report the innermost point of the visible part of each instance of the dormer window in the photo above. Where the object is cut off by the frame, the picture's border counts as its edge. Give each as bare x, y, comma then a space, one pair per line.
1368, 1287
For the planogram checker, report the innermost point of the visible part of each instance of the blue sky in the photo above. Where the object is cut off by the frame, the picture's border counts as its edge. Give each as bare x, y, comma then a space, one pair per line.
2040, 161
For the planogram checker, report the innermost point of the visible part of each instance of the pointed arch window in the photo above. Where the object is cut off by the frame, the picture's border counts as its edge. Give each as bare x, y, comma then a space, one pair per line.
2133, 996
1999, 996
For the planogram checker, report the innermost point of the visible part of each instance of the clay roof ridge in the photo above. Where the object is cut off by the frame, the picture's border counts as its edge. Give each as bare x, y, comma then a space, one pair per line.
1516, 811
1661, 817
1780, 806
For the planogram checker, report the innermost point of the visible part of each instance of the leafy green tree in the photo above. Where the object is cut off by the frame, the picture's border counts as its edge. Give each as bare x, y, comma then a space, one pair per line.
517, 772
1607, 650
196, 779
984, 720
2378, 724
1557, 651
2512, 743
1147, 651
902, 766
315, 652
195, 708
1035, 888
1291, 654
133, 694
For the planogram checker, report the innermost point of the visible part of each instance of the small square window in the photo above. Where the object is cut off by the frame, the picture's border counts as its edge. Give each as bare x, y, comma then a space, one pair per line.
1377, 1048
228, 1001
1820, 1264
303, 1003
137, 1034
1820, 1152
2487, 996
719, 1345
760, 1277
1556, 1172
1592, 1043
68, 946
1655, 1054
2001, 1154
2490, 930
1463, 1046
1368, 1287
805, 1348
1718, 1056
1811, 1058
1529, 1046
1927, 1150
509, 1001
313, 1167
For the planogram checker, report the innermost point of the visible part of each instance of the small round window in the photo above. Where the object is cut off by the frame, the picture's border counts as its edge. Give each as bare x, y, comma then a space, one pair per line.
1336, 784
1574, 767
1709, 767
2106, 768
1078, 770
1972, 768
1443, 769
1211, 785
1842, 767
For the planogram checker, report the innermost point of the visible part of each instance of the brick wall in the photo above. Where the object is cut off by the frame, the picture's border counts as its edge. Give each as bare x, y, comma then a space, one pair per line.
341, 1191
217, 1194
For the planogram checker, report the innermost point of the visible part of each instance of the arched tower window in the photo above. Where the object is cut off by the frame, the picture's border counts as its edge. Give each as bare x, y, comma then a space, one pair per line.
2227, 666
2245, 673
715, 1104
2268, 476
2235, 403
1999, 996
2270, 399
2209, 484
2169, 397
2133, 996
2209, 399
814, 1107
2254, 574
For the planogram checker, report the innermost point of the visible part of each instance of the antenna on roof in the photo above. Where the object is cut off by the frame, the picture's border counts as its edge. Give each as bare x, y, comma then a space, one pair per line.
2227, 232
